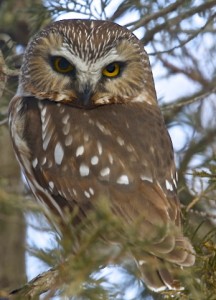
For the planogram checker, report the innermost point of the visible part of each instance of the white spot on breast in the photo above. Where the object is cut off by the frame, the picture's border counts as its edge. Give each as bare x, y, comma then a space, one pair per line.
62, 109
175, 184
86, 137
74, 191
94, 160
152, 149
49, 165
45, 122
65, 119
110, 157
79, 151
145, 177
44, 160
34, 162
66, 129
58, 153
100, 149
169, 185
123, 179
84, 170
87, 194
47, 135
129, 148
105, 172
142, 262
100, 126
120, 141
43, 111
51, 184
68, 140
91, 122
91, 191
103, 128
65, 168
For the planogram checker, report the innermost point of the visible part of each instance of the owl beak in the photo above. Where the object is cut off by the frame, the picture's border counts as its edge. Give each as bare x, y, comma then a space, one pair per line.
84, 97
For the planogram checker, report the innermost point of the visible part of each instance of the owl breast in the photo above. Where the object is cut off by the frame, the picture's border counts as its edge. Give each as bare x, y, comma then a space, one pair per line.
80, 156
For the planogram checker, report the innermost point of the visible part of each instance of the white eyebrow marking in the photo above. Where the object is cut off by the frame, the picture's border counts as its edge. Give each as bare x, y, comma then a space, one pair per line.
123, 179
80, 151
84, 170
58, 153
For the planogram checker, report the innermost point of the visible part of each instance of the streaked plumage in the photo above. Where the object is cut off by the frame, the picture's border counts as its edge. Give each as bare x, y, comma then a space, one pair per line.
90, 133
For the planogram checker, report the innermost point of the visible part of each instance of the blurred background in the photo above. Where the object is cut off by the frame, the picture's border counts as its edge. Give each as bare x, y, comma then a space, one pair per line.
179, 37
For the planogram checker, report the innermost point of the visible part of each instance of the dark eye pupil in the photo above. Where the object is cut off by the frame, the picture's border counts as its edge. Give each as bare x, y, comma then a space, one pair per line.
111, 68
63, 63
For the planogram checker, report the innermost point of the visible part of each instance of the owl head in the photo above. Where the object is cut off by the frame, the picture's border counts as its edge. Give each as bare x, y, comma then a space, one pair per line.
86, 63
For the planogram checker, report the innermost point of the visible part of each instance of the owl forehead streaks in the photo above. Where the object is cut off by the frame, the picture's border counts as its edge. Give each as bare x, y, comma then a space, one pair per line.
91, 40
86, 42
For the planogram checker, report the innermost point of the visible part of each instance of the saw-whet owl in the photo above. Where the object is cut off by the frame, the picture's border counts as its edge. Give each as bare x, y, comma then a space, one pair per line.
86, 125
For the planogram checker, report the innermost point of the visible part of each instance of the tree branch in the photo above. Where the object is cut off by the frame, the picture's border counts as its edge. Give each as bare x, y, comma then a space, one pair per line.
173, 21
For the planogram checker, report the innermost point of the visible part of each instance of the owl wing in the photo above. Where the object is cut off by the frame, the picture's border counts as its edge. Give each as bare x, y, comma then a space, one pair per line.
73, 157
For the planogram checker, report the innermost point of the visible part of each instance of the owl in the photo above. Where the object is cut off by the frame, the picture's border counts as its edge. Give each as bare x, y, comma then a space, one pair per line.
85, 125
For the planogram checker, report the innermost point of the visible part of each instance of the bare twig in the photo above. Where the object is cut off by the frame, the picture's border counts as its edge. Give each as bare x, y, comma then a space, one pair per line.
194, 34
160, 13
38, 285
188, 100
175, 20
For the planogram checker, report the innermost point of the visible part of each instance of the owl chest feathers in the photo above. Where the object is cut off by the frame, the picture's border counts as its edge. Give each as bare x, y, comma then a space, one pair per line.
114, 152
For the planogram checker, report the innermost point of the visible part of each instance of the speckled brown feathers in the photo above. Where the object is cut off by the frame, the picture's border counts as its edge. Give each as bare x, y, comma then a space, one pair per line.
85, 136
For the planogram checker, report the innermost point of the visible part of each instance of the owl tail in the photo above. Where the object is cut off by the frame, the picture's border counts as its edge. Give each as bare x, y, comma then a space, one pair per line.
161, 274
156, 276
158, 279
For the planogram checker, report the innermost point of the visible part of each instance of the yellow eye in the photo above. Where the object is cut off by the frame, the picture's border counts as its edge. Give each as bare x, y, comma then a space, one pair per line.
112, 70
61, 65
